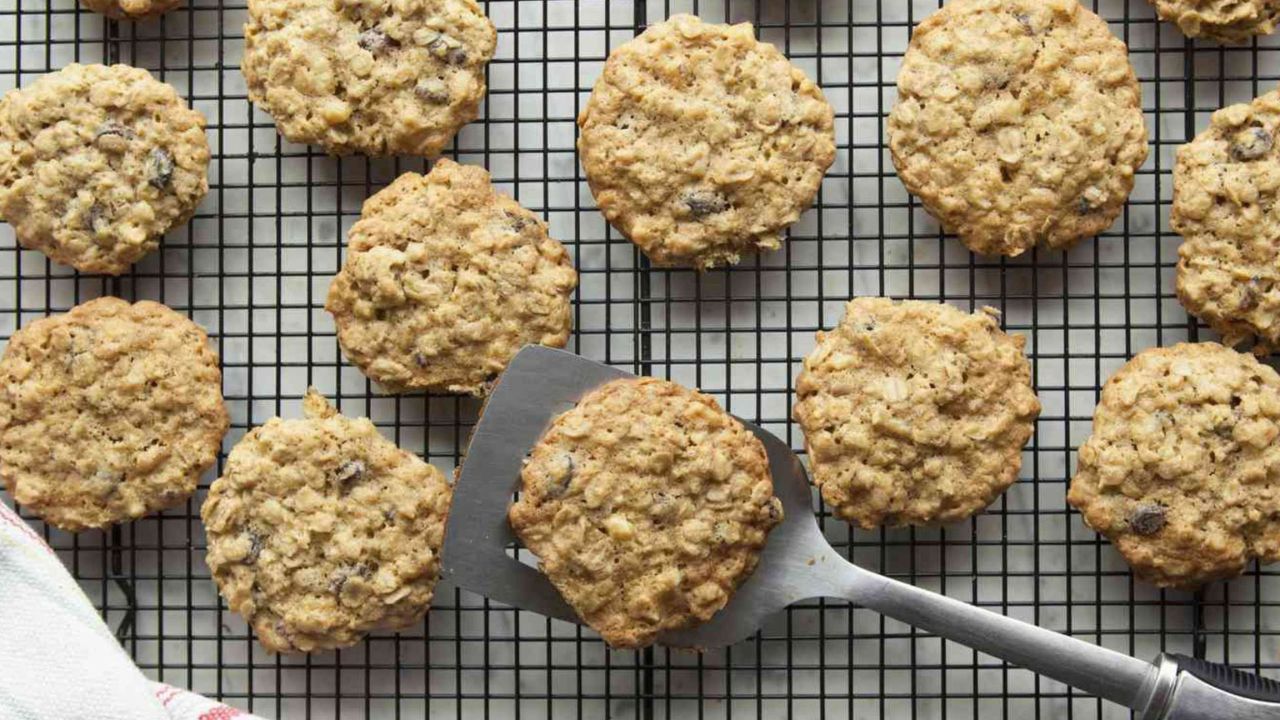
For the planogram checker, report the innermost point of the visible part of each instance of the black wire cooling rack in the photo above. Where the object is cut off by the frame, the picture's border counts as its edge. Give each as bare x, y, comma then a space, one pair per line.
254, 266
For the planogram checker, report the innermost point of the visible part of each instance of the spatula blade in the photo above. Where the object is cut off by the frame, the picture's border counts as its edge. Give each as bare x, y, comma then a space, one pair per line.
538, 384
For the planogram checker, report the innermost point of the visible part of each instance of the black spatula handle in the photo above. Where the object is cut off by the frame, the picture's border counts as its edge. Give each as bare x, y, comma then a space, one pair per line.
1193, 689
1225, 677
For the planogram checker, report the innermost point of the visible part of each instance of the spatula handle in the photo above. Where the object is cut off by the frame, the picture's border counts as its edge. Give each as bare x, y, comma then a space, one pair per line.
1194, 689
1159, 692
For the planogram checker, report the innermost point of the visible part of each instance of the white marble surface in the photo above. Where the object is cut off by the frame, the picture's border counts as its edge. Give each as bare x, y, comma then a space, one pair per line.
254, 270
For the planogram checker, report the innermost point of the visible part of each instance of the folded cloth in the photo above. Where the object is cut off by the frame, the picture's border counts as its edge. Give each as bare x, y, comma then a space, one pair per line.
58, 660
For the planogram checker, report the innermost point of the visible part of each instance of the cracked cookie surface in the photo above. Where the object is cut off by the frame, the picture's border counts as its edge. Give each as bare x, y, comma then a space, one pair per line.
1018, 122
1229, 21
914, 413
1182, 471
357, 76
701, 143
108, 412
97, 162
321, 530
446, 279
647, 506
1225, 188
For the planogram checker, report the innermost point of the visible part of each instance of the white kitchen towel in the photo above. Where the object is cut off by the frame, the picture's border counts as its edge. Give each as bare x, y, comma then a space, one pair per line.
58, 660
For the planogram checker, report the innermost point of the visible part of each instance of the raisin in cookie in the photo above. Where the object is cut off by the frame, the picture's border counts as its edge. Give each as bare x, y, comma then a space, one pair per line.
108, 412
445, 280
1018, 122
97, 162
1182, 471
914, 413
701, 143
321, 530
647, 506
1226, 183
1229, 21
356, 76
131, 9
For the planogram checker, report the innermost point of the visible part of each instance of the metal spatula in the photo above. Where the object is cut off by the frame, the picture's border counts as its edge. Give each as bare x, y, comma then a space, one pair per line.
797, 564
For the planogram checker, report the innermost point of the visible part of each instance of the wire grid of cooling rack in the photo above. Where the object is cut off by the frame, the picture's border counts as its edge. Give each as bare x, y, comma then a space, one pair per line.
254, 266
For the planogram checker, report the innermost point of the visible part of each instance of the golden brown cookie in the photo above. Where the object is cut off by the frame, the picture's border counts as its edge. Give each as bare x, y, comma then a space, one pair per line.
321, 530
1018, 122
359, 76
701, 143
1229, 21
647, 506
445, 279
109, 412
1182, 471
1226, 183
914, 413
131, 9
97, 162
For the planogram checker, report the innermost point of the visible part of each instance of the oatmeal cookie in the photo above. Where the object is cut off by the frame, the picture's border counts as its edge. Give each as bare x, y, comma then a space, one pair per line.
914, 413
1182, 471
108, 413
321, 530
97, 162
1230, 21
358, 76
701, 143
131, 9
1018, 122
1225, 188
647, 506
445, 280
